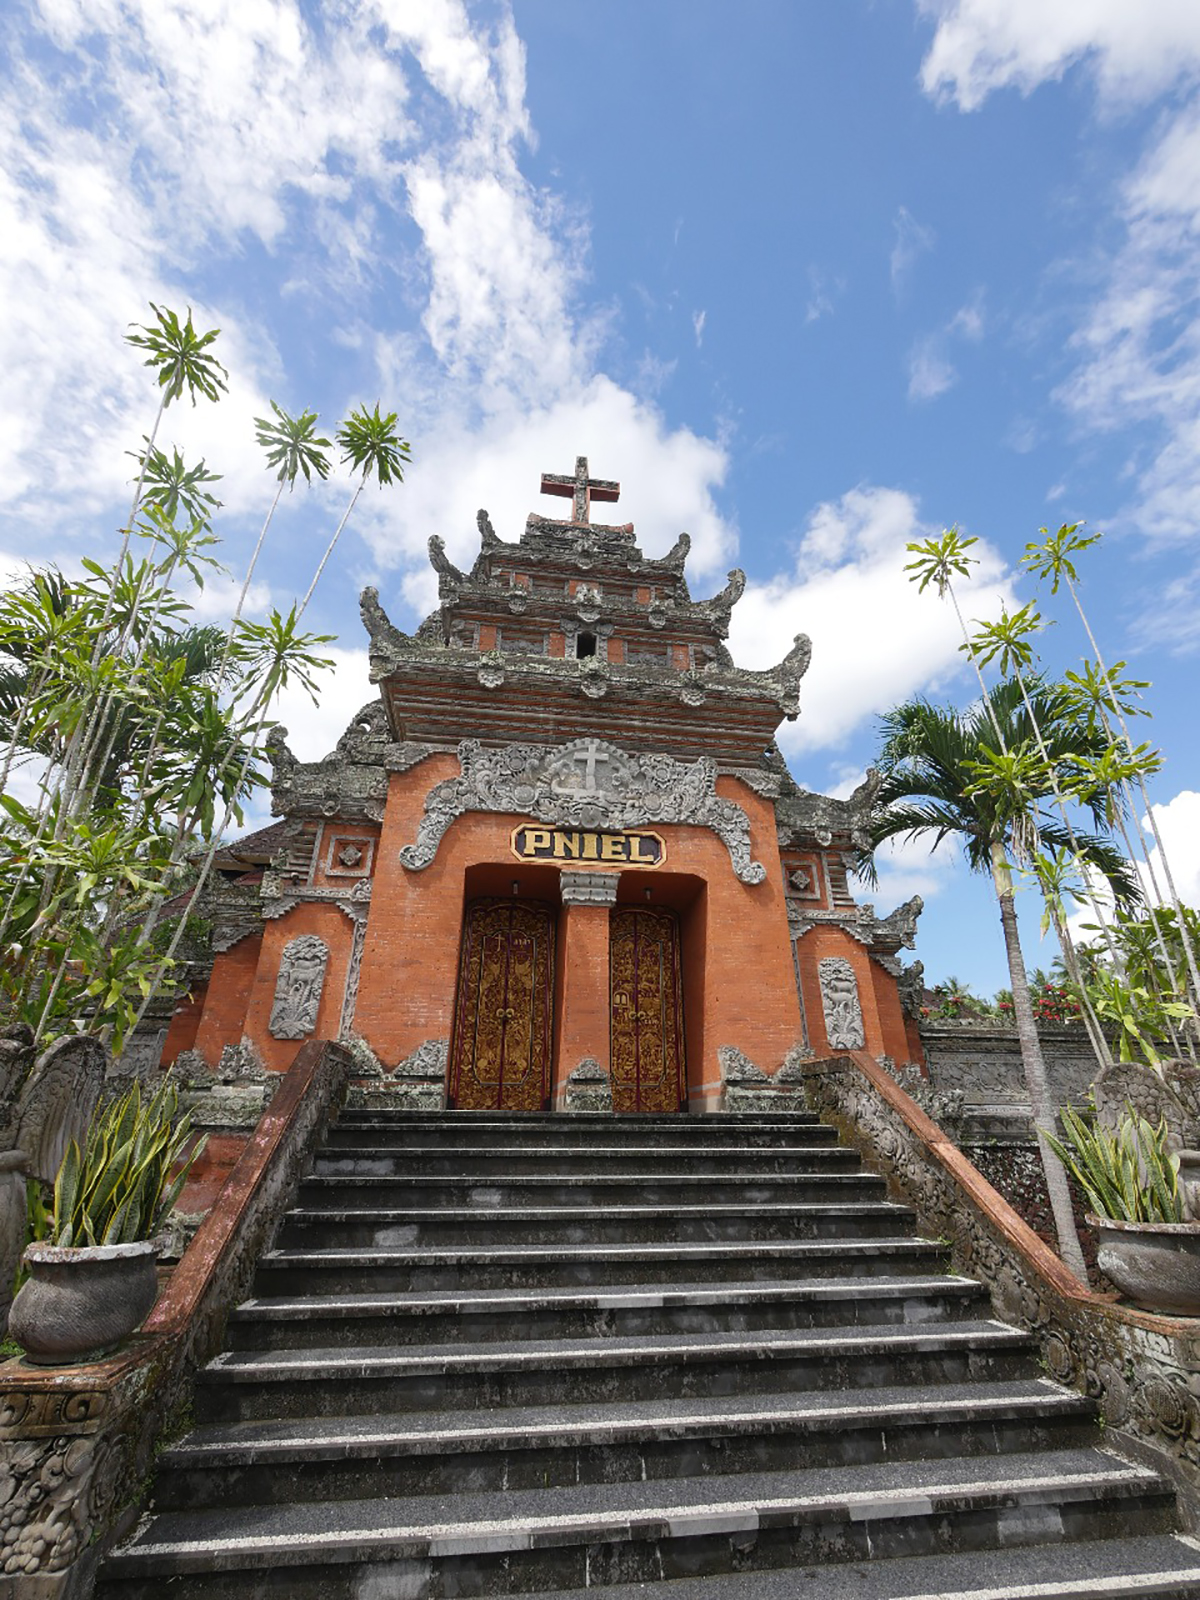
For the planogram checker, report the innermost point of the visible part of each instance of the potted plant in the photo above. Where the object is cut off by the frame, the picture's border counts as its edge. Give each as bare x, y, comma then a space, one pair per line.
1131, 1180
92, 1280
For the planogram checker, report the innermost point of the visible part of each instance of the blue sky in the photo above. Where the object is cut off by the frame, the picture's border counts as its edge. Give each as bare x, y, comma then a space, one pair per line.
811, 280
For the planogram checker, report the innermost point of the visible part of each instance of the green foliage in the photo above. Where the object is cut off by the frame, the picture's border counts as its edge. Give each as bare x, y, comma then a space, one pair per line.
171, 486
180, 356
939, 561
142, 733
944, 777
118, 1188
1127, 1176
1130, 984
372, 446
1052, 559
293, 445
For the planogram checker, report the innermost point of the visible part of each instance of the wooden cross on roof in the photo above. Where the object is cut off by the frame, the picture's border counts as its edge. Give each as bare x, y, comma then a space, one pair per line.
582, 488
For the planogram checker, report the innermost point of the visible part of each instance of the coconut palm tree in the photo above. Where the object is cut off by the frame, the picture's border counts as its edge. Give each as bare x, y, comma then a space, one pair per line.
982, 777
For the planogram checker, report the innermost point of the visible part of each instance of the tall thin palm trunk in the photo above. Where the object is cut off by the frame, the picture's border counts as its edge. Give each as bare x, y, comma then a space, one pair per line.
1034, 1064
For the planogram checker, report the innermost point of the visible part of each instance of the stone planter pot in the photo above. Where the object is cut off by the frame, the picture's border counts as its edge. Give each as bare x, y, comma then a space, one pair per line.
1157, 1264
78, 1305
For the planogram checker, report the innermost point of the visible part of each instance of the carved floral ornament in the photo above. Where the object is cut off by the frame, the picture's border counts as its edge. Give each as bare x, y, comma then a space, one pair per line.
840, 1003
587, 783
298, 988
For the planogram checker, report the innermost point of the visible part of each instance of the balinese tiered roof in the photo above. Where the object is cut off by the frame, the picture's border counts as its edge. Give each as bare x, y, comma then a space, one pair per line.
572, 631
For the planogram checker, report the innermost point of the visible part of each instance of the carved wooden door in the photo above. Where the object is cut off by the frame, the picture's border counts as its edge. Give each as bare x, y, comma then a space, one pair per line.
500, 1052
646, 995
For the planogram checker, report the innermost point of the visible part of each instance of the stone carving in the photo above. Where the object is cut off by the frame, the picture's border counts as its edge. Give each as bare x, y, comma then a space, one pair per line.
720, 607
589, 1088
350, 855
588, 783
1173, 1095
387, 640
745, 1087
840, 1002
911, 987
240, 1061
489, 539
901, 925
588, 601
57, 1102
364, 1062
418, 1083
46, 1103
298, 987
588, 888
804, 816
354, 971
677, 555
491, 675
450, 579
428, 1060
55, 1491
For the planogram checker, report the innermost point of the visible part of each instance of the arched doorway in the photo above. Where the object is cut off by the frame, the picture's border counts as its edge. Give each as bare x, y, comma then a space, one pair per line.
501, 1045
646, 997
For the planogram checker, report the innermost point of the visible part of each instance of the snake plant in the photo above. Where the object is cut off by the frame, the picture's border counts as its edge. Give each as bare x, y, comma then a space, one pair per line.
118, 1188
1127, 1176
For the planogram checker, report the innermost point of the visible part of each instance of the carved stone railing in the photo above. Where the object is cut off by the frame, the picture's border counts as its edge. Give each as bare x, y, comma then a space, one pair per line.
76, 1443
1143, 1371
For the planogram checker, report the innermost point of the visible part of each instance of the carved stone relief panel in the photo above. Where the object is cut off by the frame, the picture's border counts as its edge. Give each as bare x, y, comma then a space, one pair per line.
298, 987
804, 878
349, 856
588, 783
840, 1002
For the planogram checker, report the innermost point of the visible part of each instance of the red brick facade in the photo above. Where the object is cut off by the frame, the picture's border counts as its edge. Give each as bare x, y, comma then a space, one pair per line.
597, 702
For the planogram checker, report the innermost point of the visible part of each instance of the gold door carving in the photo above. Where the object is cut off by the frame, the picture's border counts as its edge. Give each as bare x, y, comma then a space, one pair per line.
500, 1053
646, 1004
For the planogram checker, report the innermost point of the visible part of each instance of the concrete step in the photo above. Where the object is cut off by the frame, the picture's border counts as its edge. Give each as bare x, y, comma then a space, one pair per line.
1155, 1567
258, 1384
299, 1271
525, 1540
432, 1130
326, 1192
533, 1447
347, 1159
621, 1311
395, 1228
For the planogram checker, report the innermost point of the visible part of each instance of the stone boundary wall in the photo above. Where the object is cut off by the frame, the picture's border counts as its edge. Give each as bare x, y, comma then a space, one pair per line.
1143, 1371
983, 1063
77, 1443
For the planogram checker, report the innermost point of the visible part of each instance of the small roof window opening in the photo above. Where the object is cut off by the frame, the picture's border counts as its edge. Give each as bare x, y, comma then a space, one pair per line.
585, 645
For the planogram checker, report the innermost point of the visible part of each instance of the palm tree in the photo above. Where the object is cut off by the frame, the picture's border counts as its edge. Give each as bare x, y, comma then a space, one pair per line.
944, 777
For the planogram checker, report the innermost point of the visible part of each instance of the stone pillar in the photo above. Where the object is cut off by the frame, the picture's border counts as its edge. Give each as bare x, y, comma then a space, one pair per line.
581, 998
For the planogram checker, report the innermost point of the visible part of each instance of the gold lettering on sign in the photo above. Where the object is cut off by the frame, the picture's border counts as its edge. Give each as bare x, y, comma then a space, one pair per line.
576, 844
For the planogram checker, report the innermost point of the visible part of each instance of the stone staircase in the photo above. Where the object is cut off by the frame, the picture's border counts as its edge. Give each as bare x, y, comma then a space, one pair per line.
687, 1358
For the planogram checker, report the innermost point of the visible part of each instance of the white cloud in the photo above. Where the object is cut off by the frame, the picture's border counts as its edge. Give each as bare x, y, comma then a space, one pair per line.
1179, 824
912, 239
1135, 50
668, 477
912, 866
166, 136
1137, 346
699, 318
822, 295
968, 321
875, 639
929, 372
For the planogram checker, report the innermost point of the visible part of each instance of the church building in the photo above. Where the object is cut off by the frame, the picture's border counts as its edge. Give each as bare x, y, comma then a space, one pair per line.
559, 860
